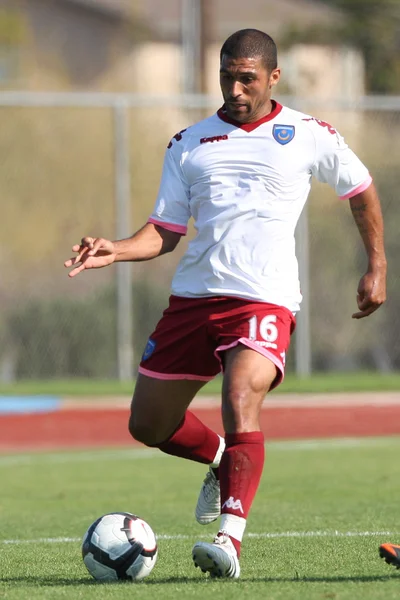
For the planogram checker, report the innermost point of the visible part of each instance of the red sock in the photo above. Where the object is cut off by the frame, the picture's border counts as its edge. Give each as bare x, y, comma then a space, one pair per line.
192, 440
240, 473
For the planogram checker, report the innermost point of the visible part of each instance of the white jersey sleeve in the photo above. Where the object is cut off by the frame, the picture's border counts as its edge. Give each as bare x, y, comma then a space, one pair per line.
171, 209
336, 164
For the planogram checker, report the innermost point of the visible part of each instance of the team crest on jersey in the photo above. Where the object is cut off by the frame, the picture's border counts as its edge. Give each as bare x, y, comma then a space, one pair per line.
148, 351
283, 134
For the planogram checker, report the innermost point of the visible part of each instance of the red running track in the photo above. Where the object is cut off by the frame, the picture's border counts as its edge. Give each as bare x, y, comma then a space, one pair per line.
86, 428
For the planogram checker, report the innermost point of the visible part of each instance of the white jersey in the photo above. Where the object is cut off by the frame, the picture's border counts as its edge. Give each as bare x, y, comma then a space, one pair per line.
245, 187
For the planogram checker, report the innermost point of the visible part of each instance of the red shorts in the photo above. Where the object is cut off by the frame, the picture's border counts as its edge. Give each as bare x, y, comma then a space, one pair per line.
193, 332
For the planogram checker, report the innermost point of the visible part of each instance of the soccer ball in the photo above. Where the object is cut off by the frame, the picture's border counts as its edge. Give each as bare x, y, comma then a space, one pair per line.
119, 546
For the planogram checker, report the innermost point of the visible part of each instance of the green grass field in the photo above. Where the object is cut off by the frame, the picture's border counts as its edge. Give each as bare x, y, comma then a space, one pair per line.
318, 383
322, 510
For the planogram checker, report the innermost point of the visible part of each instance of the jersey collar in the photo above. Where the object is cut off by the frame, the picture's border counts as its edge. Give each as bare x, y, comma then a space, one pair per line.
276, 109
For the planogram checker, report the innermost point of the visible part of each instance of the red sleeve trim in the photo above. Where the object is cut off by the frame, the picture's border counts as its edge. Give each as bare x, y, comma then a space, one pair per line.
169, 226
359, 189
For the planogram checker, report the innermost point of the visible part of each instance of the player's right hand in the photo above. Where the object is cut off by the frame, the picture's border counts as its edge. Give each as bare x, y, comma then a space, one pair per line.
92, 253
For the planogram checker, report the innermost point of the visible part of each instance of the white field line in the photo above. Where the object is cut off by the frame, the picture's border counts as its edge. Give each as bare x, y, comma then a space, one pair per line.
146, 453
265, 535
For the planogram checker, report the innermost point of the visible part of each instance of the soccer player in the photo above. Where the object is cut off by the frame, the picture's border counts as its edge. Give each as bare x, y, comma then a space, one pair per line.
243, 175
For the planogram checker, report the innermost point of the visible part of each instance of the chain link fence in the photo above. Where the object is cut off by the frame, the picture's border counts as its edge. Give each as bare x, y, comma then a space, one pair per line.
74, 165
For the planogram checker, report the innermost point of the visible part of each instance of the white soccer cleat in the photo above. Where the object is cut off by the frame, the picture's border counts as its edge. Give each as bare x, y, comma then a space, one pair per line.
208, 506
219, 559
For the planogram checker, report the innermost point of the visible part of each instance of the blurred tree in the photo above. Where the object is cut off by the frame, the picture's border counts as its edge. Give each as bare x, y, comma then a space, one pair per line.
371, 26
64, 337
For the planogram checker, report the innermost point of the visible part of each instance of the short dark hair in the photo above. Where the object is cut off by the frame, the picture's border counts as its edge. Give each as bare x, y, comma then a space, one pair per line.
251, 43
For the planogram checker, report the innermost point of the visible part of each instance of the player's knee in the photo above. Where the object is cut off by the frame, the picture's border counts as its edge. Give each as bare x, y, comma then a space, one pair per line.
141, 431
240, 410
240, 399
145, 431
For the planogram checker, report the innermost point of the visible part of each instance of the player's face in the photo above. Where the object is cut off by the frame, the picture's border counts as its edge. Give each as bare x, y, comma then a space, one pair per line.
246, 87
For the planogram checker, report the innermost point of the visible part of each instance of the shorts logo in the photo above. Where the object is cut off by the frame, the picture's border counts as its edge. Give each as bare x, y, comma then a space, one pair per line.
266, 344
148, 351
283, 134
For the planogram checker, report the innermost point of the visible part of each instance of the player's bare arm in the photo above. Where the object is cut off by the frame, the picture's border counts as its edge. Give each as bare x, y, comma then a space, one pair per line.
147, 243
367, 214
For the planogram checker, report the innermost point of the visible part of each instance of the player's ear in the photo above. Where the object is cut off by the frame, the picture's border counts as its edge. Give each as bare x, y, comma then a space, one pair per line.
274, 77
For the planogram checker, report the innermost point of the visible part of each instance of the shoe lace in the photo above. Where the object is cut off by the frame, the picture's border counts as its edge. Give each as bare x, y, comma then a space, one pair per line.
222, 537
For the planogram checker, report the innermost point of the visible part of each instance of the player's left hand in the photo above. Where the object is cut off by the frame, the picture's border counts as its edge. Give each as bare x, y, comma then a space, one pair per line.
371, 293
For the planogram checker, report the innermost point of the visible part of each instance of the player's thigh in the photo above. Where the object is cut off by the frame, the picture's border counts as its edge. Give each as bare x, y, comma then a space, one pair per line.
248, 376
158, 406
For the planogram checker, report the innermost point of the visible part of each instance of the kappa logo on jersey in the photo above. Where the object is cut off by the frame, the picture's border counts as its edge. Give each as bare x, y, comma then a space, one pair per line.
283, 134
214, 138
329, 127
234, 504
148, 351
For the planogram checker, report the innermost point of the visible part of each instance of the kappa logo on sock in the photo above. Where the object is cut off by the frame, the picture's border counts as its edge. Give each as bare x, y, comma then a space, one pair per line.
233, 504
